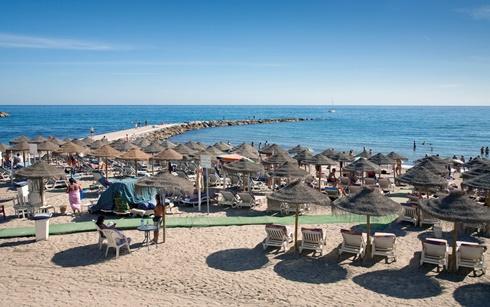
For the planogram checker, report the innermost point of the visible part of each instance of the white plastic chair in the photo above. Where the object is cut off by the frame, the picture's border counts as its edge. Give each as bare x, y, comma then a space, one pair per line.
102, 237
313, 239
353, 243
115, 240
435, 251
277, 236
471, 255
383, 244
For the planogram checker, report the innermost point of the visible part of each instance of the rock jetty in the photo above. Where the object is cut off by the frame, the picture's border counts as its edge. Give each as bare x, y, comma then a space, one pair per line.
196, 125
4, 114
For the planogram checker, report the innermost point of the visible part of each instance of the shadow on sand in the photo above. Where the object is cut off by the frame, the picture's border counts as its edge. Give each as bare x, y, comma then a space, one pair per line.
85, 255
239, 259
323, 270
473, 295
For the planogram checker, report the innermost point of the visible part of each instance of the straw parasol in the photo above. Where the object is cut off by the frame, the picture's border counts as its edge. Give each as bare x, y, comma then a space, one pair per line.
214, 151
329, 152
477, 162
434, 159
319, 160
40, 170
142, 143
88, 140
56, 140
299, 193
395, 156
38, 139
456, 207
289, 169
124, 146
247, 151
23, 147
97, 144
106, 151
72, 148
304, 157
381, 159
363, 154
476, 172
79, 142
48, 147
271, 149
167, 144
196, 146
20, 139
435, 167
368, 202
297, 149
135, 154
363, 165
223, 146
4, 148
168, 155
153, 148
421, 177
184, 150
341, 157
166, 184
278, 158
481, 182
244, 167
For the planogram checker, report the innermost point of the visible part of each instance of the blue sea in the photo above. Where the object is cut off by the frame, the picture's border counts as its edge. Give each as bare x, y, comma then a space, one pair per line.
436, 130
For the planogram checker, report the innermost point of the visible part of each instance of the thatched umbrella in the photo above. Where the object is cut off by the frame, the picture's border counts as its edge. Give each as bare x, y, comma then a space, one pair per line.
79, 142
319, 160
185, 151
421, 177
304, 157
48, 147
271, 149
363, 154
299, 193
244, 167
88, 140
248, 151
40, 170
289, 169
106, 151
223, 146
38, 139
477, 162
456, 207
330, 153
434, 159
56, 140
23, 147
166, 184
143, 143
66, 140
214, 151
363, 165
97, 144
72, 148
20, 139
124, 146
278, 158
153, 149
380, 159
167, 144
481, 182
476, 172
368, 202
168, 155
396, 156
135, 154
297, 149
196, 146
341, 157
435, 167
3, 149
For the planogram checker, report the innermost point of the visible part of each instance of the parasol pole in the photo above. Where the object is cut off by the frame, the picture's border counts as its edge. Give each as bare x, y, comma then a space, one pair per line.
296, 217
453, 256
106, 172
368, 245
162, 195
136, 168
319, 178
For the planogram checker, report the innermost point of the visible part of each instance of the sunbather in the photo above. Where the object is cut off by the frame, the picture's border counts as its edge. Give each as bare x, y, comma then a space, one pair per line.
102, 226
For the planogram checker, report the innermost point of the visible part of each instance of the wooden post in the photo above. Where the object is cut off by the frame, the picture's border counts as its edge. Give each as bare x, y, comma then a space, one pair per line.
319, 178
106, 172
296, 228
163, 217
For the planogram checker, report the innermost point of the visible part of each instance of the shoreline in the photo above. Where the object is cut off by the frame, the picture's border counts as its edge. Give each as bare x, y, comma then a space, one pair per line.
166, 131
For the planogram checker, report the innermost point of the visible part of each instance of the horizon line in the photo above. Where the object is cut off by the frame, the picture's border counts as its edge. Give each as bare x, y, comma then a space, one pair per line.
245, 105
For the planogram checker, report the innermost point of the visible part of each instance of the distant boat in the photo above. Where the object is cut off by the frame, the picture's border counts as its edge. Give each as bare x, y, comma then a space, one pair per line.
332, 110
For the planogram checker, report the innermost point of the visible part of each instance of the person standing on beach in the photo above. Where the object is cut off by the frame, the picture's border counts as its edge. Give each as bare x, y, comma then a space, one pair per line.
157, 217
482, 151
73, 191
486, 151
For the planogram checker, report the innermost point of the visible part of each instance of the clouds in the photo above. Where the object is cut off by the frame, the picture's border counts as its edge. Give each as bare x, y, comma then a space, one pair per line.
8, 40
478, 13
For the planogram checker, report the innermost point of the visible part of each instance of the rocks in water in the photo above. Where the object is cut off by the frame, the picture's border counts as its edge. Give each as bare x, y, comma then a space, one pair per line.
196, 125
4, 114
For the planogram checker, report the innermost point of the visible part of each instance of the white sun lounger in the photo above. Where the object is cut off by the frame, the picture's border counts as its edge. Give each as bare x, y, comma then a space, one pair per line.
353, 243
245, 200
313, 239
435, 251
383, 244
277, 236
226, 198
471, 255
409, 214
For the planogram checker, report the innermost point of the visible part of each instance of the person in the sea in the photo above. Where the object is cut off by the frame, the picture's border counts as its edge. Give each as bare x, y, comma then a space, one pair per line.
158, 213
487, 151
414, 145
73, 191
482, 150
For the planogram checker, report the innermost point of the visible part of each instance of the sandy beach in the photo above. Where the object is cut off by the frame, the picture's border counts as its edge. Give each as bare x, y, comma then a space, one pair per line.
223, 266
132, 132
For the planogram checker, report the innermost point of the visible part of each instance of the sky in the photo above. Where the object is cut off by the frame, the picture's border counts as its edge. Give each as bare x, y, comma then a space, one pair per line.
389, 52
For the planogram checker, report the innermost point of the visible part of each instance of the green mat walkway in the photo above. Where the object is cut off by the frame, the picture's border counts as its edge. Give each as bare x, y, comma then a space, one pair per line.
193, 221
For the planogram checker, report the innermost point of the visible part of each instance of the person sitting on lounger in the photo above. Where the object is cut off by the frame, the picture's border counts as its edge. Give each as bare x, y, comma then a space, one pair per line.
331, 176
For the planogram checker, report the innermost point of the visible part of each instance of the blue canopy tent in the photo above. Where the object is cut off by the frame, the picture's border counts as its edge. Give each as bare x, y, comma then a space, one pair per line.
125, 188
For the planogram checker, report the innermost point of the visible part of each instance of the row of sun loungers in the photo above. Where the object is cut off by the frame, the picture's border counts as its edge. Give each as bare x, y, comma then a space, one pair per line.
434, 251
240, 200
